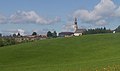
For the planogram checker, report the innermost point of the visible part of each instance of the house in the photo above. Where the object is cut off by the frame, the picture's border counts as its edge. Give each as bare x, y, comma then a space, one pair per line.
66, 34
114, 32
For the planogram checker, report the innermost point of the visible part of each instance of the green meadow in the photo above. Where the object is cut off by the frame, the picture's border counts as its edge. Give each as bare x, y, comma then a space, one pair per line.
85, 53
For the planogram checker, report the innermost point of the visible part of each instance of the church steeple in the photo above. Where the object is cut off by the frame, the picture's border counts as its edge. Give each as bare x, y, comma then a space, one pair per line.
75, 23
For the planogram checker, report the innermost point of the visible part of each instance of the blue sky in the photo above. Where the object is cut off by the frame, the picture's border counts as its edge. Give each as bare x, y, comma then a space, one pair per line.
26, 16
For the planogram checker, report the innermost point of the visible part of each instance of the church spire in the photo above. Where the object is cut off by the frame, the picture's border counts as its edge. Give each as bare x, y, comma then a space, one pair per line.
75, 23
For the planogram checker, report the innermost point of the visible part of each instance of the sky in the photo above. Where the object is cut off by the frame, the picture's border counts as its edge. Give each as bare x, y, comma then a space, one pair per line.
27, 16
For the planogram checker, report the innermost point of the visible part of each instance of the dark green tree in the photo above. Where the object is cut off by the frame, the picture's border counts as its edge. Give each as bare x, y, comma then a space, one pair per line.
54, 34
14, 35
117, 29
34, 33
18, 34
49, 34
0, 35
1, 42
104, 28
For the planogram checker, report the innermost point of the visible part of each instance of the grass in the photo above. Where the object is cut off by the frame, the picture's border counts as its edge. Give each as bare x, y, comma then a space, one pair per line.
85, 53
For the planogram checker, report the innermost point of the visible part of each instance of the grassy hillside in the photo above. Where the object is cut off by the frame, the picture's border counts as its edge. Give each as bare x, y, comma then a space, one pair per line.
84, 53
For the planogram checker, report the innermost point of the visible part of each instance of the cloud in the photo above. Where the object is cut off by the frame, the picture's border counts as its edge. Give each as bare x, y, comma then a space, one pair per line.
28, 17
43, 31
101, 13
117, 12
14, 31
21, 31
68, 27
31, 17
101, 22
105, 8
3, 19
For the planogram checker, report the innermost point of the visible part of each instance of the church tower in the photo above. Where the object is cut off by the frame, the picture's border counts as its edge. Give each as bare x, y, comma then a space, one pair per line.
75, 23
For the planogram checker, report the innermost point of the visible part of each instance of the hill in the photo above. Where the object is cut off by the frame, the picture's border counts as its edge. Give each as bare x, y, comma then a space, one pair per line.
84, 53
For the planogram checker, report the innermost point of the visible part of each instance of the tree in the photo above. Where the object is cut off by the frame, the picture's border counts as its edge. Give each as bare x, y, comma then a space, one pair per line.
49, 34
34, 33
1, 42
18, 34
104, 28
54, 34
117, 29
0, 35
14, 35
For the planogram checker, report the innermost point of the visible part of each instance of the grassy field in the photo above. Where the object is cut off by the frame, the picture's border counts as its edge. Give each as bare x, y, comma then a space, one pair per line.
85, 53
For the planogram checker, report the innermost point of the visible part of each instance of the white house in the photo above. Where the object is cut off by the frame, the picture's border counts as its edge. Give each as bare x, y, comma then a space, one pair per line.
114, 32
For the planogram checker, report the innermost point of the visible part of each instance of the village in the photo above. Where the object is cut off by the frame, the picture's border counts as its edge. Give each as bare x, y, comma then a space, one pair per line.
34, 36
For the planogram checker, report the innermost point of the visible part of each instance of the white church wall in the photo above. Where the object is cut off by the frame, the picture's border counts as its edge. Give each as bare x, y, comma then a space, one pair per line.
77, 34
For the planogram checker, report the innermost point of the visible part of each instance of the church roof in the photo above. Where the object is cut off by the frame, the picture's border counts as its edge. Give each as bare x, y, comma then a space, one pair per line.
66, 33
80, 30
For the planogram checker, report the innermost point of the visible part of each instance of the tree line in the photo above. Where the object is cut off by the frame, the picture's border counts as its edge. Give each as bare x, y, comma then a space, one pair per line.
98, 31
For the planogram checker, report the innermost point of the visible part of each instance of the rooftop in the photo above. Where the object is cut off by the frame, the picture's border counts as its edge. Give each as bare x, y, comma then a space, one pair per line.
80, 30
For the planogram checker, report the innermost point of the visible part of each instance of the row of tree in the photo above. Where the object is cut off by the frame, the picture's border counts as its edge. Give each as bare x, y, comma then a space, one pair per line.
98, 31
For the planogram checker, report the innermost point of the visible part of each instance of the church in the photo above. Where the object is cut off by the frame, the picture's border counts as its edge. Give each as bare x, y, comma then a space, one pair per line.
78, 32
